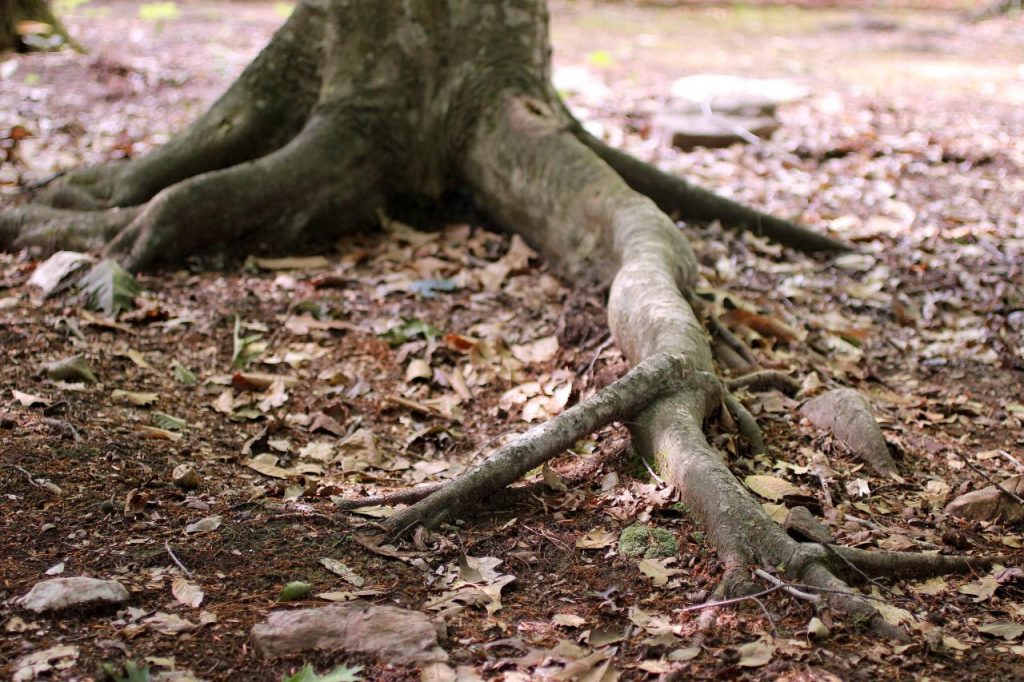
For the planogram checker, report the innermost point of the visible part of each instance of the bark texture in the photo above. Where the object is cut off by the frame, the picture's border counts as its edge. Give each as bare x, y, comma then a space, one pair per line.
354, 104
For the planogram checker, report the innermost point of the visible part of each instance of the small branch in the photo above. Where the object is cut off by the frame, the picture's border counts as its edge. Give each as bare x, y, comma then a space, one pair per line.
177, 562
764, 380
734, 600
789, 588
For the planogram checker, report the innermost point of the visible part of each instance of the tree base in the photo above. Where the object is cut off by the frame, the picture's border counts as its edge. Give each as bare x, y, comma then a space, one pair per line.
353, 104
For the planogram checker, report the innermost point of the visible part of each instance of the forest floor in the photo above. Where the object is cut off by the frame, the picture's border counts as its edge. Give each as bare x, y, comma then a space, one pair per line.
400, 358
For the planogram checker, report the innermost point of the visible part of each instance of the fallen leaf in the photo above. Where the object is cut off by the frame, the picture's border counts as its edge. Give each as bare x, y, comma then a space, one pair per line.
188, 593
338, 568
756, 654
210, 523
771, 487
133, 398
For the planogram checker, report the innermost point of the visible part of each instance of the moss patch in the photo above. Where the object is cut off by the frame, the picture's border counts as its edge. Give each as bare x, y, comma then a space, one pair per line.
639, 540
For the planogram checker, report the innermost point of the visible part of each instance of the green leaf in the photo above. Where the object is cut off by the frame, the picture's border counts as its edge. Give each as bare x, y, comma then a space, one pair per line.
158, 11
132, 672
169, 422
183, 374
295, 590
245, 349
109, 288
408, 330
342, 673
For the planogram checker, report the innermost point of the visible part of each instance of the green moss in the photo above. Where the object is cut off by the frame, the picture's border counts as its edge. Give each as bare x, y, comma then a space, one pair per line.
639, 540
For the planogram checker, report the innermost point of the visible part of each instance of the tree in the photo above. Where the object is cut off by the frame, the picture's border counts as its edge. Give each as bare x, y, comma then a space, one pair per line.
355, 104
20, 19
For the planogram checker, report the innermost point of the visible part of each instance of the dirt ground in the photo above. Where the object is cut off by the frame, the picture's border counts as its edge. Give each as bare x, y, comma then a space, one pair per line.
402, 358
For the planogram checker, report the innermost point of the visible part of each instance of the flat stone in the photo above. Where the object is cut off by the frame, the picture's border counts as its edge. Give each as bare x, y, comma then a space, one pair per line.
689, 131
392, 634
991, 503
733, 95
61, 593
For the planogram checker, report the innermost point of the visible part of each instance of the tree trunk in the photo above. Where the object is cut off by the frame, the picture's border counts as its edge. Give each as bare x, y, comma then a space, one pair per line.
354, 104
18, 18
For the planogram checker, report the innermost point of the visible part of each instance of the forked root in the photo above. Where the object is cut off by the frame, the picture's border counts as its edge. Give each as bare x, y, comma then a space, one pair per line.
532, 176
273, 199
263, 109
658, 375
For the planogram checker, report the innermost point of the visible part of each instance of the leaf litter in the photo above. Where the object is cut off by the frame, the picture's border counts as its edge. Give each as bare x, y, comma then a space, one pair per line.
925, 323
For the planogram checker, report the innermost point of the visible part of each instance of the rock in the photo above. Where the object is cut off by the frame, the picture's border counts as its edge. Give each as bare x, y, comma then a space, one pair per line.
734, 95
392, 634
185, 477
991, 503
61, 593
711, 110
802, 524
846, 414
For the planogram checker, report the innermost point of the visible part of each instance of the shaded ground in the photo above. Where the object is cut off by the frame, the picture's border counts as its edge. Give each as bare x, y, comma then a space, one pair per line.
911, 144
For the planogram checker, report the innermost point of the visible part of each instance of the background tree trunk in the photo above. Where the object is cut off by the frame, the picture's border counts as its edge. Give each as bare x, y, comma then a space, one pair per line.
14, 14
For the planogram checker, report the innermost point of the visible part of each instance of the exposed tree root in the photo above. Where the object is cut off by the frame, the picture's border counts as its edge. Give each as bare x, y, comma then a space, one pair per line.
317, 133
764, 380
676, 196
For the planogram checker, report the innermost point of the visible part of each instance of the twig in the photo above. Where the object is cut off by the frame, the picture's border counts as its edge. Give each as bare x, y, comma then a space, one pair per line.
177, 562
651, 471
991, 480
597, 354
734, 600
824, 486
791, 589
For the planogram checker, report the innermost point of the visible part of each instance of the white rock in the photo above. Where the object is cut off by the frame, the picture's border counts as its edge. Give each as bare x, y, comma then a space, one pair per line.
392, 634
60, 593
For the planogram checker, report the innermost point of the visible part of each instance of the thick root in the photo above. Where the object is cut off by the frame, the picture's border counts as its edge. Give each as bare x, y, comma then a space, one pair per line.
266, 107
51, 229
271, 201
765, 380
677, 197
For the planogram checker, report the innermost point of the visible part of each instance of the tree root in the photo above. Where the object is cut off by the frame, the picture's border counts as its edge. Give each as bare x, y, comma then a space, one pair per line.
264, 109
279, 154
272, 199
676, 196
656, 376
765, 380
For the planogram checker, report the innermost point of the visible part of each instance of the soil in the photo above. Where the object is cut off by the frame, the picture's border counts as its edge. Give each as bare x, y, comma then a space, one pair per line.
910, 145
